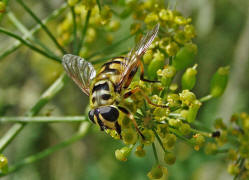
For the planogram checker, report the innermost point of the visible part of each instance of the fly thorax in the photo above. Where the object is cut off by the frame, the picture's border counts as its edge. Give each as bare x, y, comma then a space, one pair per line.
102, 93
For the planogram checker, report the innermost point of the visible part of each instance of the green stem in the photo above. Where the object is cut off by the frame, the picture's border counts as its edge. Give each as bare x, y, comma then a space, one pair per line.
42, 119
42, 25
155, 153
74, 30
114, 45
178, 134
17, 44
36, 157
25, 42
159, 140
46, 96
99, 5
26, 32
206, 98
84, 31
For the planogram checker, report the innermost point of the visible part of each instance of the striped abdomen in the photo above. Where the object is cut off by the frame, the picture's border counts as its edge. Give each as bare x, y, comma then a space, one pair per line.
104, 87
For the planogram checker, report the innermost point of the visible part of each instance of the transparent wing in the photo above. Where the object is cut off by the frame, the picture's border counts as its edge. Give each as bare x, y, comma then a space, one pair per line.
81, 71
137, 52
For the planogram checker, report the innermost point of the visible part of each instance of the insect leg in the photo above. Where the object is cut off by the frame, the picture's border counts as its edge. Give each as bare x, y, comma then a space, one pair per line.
137, 89
142, 74
132, 119
101, 125
118, 129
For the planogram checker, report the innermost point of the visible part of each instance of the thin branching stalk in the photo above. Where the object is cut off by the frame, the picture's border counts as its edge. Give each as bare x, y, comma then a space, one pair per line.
84, 31
75, 43
99, 5
25, 32
44, 99
17, 44
155, 153
42, 25
206, 98
159, 140
42, 119
36, 157
25, 42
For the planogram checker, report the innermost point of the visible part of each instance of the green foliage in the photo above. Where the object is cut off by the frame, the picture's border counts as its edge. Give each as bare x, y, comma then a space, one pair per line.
98, 30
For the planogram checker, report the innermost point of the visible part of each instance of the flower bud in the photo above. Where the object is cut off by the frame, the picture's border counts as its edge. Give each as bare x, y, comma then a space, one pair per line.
185, 128
219, 81
156, 172
113, 25
169, 158
72, 2
233, 169
151, 19
193, 110
189, 31
166, 15
173, 100
122, 154
162, 130
175, 122
166, 75
3, 164
156, 64
185, 57
149, 137
2, 7
140, 152
169, 141
172, 48
129, 136
189, 78
187, 97
148, 56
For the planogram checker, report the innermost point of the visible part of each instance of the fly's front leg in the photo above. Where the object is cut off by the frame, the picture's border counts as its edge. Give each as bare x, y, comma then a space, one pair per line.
118, 129
137, 89
131, 117
142, 74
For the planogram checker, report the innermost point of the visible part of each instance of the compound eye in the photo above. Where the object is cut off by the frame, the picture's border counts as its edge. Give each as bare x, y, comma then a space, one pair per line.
109, 113
91, 116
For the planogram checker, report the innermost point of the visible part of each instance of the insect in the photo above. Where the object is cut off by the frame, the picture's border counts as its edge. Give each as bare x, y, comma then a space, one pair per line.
109, 86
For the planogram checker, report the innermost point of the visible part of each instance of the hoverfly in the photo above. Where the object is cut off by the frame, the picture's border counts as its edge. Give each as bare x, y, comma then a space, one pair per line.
109, 86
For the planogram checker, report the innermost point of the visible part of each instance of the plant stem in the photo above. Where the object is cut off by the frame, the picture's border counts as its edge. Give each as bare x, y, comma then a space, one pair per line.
155, 153
46, 96
44, 27
74, 30
26, 32
206, 98
42, 119
99, 5
25, 42
84, 31
178, 134
159, 140
17, 44
33, 158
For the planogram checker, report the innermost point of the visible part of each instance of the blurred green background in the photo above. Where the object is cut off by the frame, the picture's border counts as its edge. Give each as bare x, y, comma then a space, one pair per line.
222, 38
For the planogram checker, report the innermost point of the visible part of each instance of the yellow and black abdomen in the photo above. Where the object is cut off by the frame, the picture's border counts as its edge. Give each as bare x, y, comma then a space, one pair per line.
111, 70
103, 90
